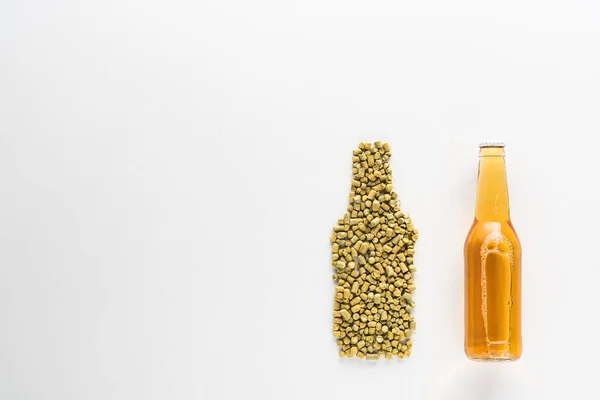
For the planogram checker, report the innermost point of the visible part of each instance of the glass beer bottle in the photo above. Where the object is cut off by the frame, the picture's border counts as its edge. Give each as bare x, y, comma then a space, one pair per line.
492, 266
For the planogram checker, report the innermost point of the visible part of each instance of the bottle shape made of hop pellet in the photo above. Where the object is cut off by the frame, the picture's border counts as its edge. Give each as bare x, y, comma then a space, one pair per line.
492, 255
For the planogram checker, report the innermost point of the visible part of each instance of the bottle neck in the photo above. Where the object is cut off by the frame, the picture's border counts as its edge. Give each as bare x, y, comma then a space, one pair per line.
492, 188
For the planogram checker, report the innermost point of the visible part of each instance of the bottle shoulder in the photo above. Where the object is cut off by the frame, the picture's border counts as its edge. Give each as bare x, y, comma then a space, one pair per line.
481, 230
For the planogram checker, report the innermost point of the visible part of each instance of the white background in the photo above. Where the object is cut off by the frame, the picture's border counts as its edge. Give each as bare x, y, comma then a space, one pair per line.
170, 172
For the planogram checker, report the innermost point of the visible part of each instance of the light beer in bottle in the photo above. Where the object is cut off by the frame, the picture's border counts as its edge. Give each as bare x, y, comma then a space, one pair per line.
492, 255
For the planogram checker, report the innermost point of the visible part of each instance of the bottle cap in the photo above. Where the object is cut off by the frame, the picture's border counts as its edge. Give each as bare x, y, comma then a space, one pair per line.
492, 143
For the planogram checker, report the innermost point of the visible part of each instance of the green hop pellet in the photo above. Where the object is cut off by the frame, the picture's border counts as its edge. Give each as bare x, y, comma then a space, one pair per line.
372, 252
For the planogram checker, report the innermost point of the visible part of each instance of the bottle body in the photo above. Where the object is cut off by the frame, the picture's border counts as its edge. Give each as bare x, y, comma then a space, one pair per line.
492, 255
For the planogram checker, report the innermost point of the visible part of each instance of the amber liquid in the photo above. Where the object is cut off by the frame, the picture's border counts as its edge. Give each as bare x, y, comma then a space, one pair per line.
492, 268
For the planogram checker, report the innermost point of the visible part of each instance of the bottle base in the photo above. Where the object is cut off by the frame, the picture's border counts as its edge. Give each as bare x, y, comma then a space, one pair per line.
492, 359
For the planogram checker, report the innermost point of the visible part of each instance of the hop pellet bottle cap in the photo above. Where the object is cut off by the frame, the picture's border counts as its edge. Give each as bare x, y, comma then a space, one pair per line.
492, 143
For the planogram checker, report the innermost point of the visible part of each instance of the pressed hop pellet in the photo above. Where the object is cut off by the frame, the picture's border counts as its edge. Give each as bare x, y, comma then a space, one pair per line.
372, 251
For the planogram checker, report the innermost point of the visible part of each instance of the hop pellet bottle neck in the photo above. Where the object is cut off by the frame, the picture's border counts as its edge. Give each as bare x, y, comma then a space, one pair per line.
492, 187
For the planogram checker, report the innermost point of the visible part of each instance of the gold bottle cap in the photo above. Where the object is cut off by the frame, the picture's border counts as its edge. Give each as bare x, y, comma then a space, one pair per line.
492, 143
